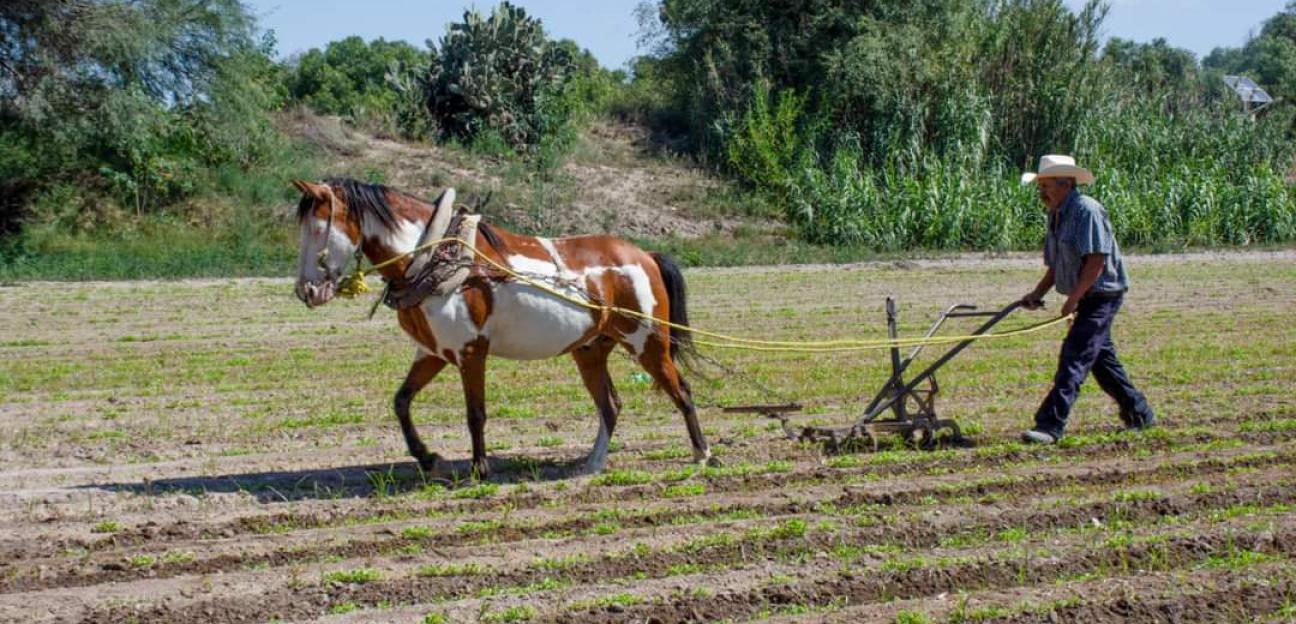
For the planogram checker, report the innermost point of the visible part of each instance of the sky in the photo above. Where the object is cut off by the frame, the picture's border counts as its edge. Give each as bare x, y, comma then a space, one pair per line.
608, 27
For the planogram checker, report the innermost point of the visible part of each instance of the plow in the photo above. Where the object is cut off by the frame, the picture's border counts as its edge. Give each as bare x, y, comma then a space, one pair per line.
905, 405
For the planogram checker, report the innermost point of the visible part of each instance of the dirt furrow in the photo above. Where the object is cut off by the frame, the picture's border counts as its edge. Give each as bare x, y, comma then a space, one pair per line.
916, 533
1212, 593
861, 586
875, 579
358, 513
208, 556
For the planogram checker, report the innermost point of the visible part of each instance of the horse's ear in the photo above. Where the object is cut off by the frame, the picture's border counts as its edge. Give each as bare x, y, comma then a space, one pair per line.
308, 188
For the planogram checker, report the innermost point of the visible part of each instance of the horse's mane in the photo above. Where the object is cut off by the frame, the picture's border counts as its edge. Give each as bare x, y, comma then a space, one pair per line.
492, 237
364, 198
361, 198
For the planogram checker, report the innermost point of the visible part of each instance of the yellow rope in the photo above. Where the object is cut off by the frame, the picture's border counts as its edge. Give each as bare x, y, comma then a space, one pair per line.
353, 285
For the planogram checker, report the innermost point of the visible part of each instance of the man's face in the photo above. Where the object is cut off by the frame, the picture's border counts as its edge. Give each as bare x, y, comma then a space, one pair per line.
1054, 191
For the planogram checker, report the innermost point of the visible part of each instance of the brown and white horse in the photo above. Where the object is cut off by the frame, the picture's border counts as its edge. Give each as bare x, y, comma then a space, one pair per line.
492, 315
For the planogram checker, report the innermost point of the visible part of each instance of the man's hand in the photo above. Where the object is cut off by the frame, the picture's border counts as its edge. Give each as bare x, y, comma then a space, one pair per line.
1032, 301
1070, 306
1089, 273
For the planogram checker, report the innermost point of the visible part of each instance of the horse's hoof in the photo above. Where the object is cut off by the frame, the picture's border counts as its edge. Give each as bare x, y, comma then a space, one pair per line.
591, 467
481, 470
703, 458
428, 463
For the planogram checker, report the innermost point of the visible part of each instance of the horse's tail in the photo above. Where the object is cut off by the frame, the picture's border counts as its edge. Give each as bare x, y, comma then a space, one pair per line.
681, 348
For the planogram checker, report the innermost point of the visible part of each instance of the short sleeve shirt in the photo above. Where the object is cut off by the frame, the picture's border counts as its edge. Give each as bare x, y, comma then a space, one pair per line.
1080, 227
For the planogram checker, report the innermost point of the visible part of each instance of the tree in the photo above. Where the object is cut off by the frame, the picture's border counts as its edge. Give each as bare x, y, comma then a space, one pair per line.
894, 76
1155, 65
1269, 58
132, 97
350, 77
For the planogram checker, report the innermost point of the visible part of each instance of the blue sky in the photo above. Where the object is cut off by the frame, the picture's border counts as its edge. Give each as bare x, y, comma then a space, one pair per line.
608, 28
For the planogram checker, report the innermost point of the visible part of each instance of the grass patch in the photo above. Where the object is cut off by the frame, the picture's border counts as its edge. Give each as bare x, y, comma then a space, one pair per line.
358, 576
1237, 559
912, 617
1270, 426
602, 602
178, 557
560, 563
331, 419
792, 528
681, 569
154, 251
481, 490
684, 490
478, 527
416, 533
452, 569
1134, 496
521, 613
668, 453
622, 477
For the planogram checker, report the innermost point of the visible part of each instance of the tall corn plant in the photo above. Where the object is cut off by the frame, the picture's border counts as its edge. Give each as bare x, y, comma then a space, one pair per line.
927, 111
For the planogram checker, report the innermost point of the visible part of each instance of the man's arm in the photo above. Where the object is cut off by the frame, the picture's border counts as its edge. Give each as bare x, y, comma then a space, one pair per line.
1035, 298
1089, 273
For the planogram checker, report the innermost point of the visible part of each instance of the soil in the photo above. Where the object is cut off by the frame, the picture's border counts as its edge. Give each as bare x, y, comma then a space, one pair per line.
187, 452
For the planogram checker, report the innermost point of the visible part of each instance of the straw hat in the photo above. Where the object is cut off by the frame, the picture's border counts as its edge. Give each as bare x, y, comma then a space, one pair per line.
1058, 166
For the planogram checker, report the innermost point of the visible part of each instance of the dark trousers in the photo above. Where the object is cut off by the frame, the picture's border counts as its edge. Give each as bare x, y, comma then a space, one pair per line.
1088, 347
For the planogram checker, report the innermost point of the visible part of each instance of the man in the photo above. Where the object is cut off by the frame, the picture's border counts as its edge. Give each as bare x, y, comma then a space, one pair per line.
1084, 263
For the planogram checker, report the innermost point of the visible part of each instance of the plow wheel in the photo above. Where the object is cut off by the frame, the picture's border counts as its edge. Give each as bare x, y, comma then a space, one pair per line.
924, 438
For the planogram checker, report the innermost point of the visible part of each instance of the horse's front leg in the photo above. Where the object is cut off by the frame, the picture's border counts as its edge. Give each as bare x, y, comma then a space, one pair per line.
421, 372
472, 370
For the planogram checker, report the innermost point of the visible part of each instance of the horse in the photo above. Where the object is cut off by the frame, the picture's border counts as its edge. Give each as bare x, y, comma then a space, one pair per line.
492, 315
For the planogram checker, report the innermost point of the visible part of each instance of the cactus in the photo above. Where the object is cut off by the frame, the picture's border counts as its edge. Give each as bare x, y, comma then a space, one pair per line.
494, 73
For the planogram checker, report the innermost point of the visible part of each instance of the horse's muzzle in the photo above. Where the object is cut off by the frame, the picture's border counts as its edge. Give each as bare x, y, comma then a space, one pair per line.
313, 294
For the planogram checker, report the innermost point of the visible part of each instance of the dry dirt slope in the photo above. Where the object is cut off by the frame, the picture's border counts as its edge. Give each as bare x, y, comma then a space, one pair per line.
214, 452
615, 180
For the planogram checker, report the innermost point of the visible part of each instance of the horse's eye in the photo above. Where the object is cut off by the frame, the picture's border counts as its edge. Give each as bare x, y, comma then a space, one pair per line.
322, 259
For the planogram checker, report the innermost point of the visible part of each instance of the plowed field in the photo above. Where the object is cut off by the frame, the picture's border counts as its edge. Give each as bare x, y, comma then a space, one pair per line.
212, 451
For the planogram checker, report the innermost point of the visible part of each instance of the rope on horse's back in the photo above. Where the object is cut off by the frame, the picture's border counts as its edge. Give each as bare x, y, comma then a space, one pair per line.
353, 285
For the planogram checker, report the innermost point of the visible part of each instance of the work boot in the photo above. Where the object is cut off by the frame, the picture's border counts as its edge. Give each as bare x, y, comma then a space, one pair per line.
1038, 437
1138, 423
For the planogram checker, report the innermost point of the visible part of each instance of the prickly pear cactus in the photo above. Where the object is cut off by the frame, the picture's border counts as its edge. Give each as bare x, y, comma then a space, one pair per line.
494, 73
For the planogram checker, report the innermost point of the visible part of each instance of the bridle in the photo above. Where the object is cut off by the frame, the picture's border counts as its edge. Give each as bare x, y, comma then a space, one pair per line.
331, 275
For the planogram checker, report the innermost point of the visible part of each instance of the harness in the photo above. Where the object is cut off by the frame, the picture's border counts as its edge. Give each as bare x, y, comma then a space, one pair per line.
322, 258
435, 269
441, 269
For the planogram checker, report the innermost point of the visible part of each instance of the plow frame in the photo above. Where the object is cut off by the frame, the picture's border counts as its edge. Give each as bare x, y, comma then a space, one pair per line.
912, 403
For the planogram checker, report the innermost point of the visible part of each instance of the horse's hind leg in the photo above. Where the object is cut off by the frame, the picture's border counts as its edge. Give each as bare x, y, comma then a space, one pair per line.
591, 359
656, 360
421, 372
472, 370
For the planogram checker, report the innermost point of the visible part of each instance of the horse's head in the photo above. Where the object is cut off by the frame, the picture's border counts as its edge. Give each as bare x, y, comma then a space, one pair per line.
329, 236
